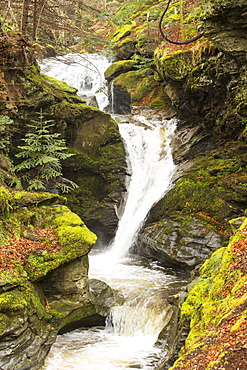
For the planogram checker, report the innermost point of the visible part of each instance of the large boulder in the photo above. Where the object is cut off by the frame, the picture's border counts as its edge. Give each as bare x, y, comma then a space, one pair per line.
44, 275
185, 243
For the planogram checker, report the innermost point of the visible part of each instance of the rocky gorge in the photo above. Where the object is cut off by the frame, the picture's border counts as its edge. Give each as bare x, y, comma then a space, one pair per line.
205, 87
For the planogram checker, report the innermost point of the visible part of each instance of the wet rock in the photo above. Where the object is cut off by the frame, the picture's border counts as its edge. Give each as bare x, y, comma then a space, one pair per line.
125, 49
103, 296
172, 335
120, 100
183, 244
118, 68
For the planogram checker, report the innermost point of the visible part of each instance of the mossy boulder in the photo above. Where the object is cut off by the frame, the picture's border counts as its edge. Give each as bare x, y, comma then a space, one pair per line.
125, 49
216, 309
43, 275
175, 66
118, 68
143, 88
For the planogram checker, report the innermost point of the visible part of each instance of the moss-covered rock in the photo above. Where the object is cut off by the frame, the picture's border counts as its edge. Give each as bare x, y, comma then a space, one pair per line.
118, 68
144, 89
92, 135
175, 66
43, 275
216, 309
125, 49
207, 86
212, 191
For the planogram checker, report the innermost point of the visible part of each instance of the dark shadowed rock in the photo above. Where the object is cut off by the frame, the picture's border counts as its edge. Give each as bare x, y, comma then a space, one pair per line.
185, 244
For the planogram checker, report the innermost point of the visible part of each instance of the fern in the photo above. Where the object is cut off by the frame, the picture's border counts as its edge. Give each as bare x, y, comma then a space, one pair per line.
42, 153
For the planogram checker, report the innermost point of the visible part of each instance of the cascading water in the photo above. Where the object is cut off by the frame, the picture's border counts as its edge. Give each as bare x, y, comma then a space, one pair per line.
149, 150
85, 72
132, 328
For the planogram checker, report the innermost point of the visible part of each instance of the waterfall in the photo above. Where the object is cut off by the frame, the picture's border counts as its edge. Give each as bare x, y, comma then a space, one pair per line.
128, 340
85, 72
151, 164
112, 100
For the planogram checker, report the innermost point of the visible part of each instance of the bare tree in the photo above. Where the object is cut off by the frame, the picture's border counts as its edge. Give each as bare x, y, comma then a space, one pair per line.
24, 17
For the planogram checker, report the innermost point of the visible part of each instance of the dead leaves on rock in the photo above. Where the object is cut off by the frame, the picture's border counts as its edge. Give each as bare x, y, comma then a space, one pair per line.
18, 249
223, 347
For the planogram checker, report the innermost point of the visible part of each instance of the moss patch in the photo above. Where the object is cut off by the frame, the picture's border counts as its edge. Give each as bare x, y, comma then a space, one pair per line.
35, 252
216, 308
119, 67
211, 191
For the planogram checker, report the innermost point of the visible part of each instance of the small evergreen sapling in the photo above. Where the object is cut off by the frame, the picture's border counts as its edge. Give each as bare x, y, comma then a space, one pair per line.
5, 133
41, 167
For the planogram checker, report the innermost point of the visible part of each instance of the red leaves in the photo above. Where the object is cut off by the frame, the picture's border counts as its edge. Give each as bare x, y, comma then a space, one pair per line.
240, 251
37, 241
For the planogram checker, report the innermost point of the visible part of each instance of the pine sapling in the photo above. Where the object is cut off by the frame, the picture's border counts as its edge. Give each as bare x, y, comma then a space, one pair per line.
42, 154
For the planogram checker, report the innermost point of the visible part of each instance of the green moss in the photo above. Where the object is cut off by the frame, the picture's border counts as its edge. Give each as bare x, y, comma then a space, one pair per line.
59, 85
176, 65
122, 32
74, 237
239, 322
28, 210
119, 67
3, 323
139, 84
59, 316
12, 301
208, 189
64, 217
216, 297
214, 294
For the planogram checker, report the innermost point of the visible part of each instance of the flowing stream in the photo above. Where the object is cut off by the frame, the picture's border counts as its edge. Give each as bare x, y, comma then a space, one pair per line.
132, 329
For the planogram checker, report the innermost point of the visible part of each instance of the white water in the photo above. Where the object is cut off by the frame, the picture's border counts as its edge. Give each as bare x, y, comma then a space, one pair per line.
84, 72
148, 146
128, 341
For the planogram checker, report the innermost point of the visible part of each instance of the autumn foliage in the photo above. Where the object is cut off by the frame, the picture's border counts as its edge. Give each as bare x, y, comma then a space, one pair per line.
16, 252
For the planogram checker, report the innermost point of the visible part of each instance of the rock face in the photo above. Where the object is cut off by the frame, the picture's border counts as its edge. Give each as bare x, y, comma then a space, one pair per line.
44, 285
98, 166
104, 297
226, 26
209, 96
183, 244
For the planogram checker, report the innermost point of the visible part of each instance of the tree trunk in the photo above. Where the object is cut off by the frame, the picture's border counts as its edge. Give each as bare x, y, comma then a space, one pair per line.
24, 17
37, 13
